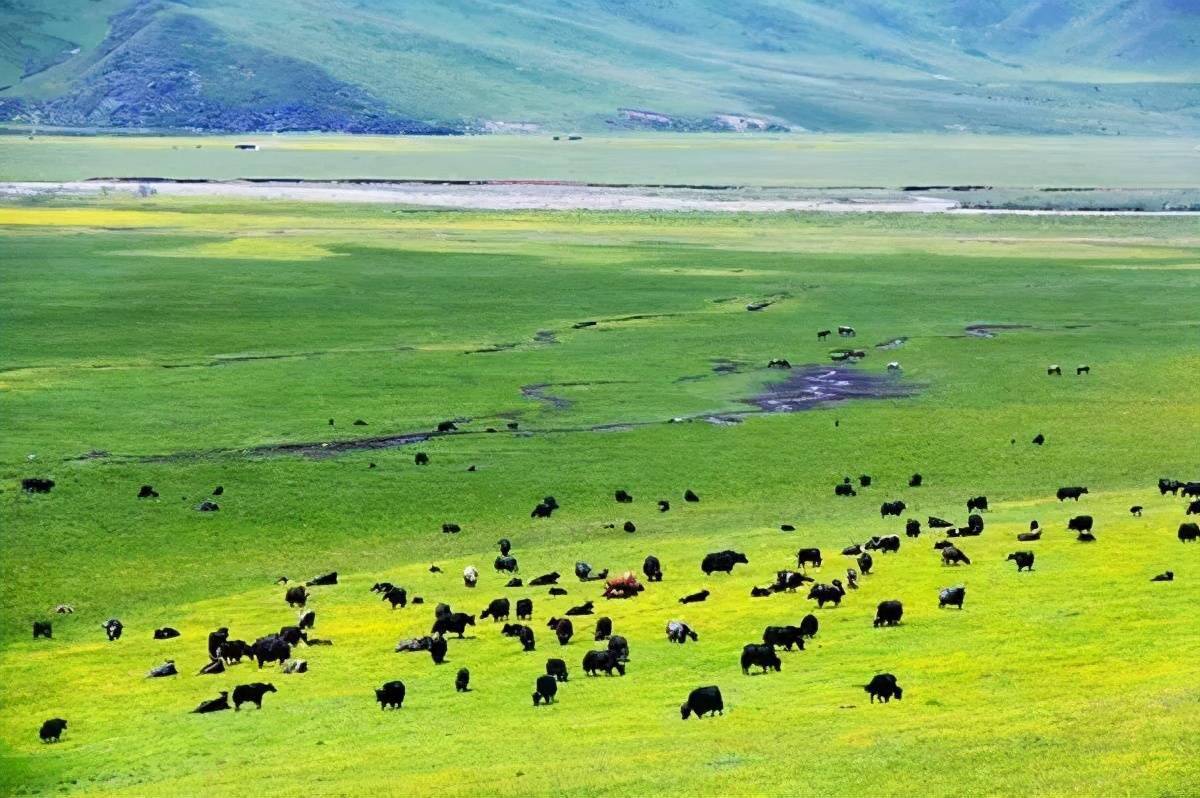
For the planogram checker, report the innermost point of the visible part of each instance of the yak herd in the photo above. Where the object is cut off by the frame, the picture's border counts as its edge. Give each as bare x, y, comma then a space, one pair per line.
279, 647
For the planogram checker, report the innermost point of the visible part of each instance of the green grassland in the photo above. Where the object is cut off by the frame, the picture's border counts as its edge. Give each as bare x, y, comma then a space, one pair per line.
165, 342
821, 161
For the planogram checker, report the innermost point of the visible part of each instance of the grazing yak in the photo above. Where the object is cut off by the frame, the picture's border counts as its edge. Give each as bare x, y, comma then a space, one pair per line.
447, 426
679, 632
786, 528
758, 592
1026, 537
1165, 576
514, 582
330, 578
808, 557
525, 636
307, 619
391, 695
915, 481
977, 503
411, 644
788, 581
563, 629
865, 563
545, 579
251, 694
1190, 490
1080, 523
505, 546
938, 523
694, 598
652, 568
420, 458
271, 648
497, 610
1082, 370
396, 596
557, 591
456, 622
809, 626
690, 496
623, 497
722, 561
831, 594
42, 629
1189, 532
823, 334
557, 668
760, 656
508, 564
888, 613
462, 681
1193, 508
851, 551
887, 543
451, 529
952, 555
703, 701
1023, 559
912, 528
784, 636
1070, 493
221, 702
470, 576
295, 666
232, 651
586, 608
1039, 439
844, 489
952, 596
213, 667
541, 510
293, 635
147, 492
852, 579
52, 730
1166, 486
437, 650
596, 661
545, 688
974, 526
524, 609
892, 508
36, 485
864, 480
846, 332
603, 628
619, 648
166, 669
663, 505
113, 628
1054, 370
629, 526
296, 596
883, 686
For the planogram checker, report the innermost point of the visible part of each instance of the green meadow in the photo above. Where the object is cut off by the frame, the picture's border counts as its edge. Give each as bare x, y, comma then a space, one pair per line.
174, 343
765, 160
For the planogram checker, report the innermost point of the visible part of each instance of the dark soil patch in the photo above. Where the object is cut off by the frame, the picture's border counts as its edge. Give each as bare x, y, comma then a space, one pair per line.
545, 337
725, 367
811, 386
990, 330
491, 349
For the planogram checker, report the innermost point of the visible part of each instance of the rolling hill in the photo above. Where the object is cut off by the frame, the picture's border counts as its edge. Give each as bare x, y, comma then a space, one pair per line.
407, 66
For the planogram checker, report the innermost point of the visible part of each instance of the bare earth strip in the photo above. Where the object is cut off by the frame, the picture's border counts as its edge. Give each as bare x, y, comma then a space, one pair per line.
551, 196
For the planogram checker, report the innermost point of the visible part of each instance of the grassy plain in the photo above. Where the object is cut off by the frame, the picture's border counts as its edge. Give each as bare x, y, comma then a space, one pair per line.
160, 342
807, 160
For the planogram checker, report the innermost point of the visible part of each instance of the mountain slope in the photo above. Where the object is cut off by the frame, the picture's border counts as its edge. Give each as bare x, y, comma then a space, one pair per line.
1125, 66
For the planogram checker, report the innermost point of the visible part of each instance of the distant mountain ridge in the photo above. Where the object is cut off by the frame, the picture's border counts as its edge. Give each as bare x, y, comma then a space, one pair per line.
445, 66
